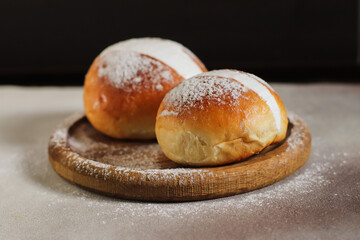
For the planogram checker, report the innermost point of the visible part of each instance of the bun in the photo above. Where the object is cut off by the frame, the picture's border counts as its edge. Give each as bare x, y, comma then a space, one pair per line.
219, 117
127, 81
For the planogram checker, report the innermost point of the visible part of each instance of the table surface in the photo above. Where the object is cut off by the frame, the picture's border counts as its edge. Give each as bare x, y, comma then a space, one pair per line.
319, 201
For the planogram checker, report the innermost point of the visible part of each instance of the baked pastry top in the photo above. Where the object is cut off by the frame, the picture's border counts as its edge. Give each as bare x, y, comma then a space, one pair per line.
219, 117
127, 81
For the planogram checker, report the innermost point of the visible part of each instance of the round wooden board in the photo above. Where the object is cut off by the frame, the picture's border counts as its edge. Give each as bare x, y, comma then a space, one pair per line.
139, 170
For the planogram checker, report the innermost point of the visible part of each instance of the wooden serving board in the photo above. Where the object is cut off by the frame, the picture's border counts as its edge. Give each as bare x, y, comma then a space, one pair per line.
139, 170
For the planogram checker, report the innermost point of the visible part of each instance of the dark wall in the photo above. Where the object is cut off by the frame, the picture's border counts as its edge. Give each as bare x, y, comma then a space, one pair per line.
43, 40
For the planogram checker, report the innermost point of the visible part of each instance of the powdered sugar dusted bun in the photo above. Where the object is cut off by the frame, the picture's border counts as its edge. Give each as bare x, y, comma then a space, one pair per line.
173, 54
219, 117
127, 81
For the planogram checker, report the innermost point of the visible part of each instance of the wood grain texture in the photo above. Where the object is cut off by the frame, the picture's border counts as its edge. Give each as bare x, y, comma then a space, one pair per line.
140, 171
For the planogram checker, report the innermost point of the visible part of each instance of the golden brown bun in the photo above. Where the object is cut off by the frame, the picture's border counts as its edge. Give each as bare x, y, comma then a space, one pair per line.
219, 117
124, 86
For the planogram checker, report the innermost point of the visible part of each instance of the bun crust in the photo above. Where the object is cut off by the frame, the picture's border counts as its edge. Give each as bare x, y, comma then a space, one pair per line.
214, 119
124, 87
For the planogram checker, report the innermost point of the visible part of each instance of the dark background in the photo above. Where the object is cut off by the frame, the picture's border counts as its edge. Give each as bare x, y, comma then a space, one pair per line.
54, 42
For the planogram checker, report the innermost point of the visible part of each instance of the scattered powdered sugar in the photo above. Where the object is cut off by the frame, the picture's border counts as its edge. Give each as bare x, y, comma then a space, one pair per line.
216, 85
126, 174
296, 138
159, 87
319, 201
169, 52
59, 137
132, 71
196, 90
124, 161
134, 159
252, 82
311, 189
168, 113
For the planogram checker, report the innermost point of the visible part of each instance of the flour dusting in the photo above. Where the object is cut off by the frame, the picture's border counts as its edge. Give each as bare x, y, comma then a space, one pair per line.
98, 156
132, 71
255, 84
169, 52
200, 89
